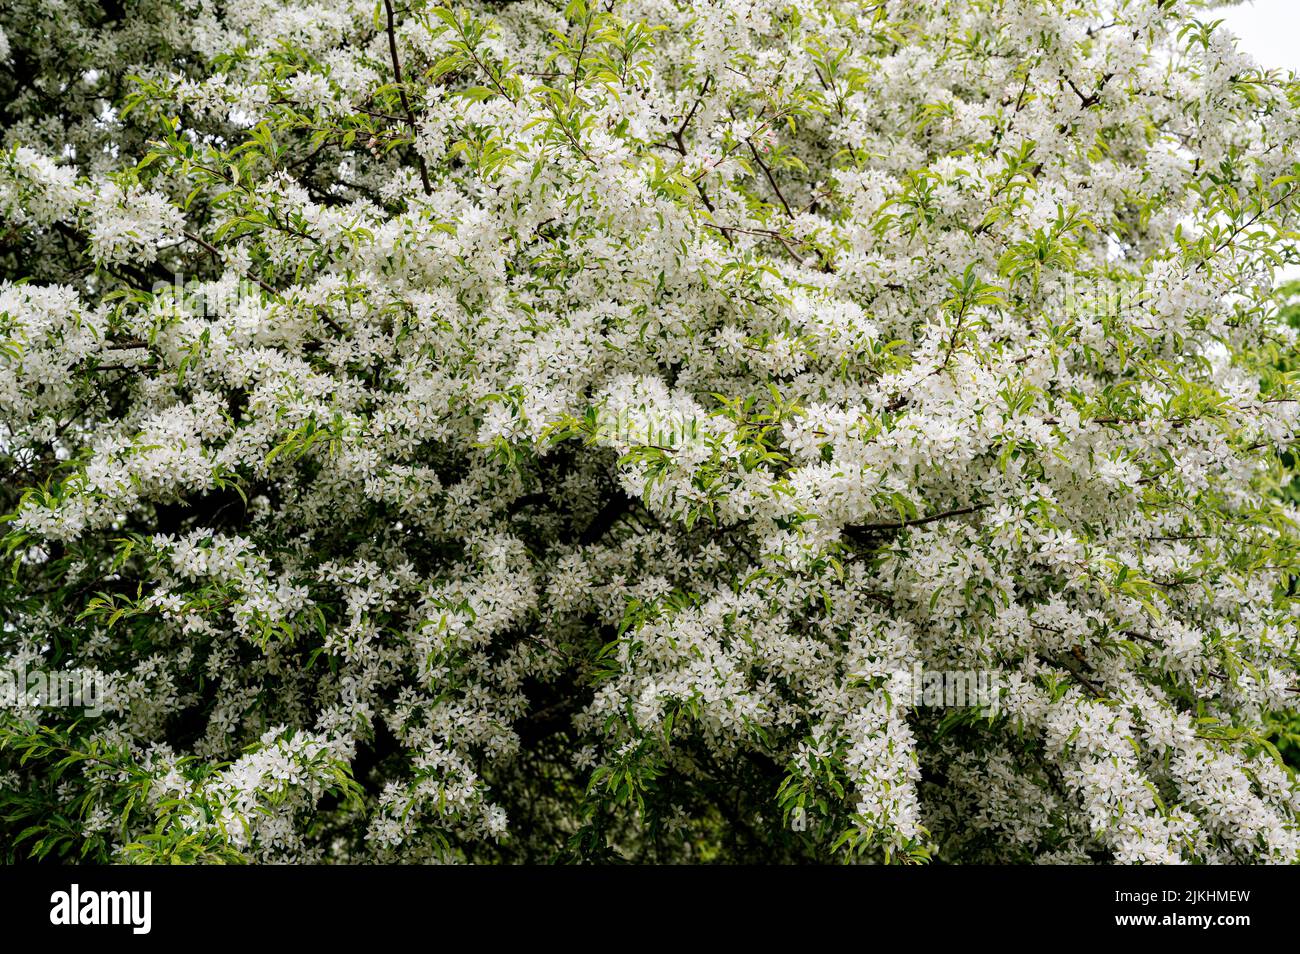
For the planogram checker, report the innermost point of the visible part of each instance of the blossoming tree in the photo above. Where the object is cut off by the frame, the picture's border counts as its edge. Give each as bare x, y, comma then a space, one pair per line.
527, 431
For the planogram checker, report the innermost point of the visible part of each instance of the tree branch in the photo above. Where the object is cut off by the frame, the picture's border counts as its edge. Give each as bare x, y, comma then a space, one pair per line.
406, 103
872, 529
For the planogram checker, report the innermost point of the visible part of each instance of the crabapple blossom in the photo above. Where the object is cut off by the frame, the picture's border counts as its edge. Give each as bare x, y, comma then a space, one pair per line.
508, 431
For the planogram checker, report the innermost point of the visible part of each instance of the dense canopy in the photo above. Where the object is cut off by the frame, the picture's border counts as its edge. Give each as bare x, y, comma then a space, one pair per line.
526, 431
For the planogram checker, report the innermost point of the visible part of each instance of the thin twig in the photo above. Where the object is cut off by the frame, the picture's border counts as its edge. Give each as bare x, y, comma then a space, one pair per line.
406, 103
872, 528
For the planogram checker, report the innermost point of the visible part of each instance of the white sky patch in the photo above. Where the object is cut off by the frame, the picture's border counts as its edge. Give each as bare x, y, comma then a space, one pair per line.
1269, 30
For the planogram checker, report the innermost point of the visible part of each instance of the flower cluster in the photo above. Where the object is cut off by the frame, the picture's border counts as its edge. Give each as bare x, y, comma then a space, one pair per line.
615, 397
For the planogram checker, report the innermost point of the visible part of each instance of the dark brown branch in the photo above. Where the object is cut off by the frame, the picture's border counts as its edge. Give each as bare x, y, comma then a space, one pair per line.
406, 103
216, 254
771, 179
679, 135
872, 529
608, 515
1079, 676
